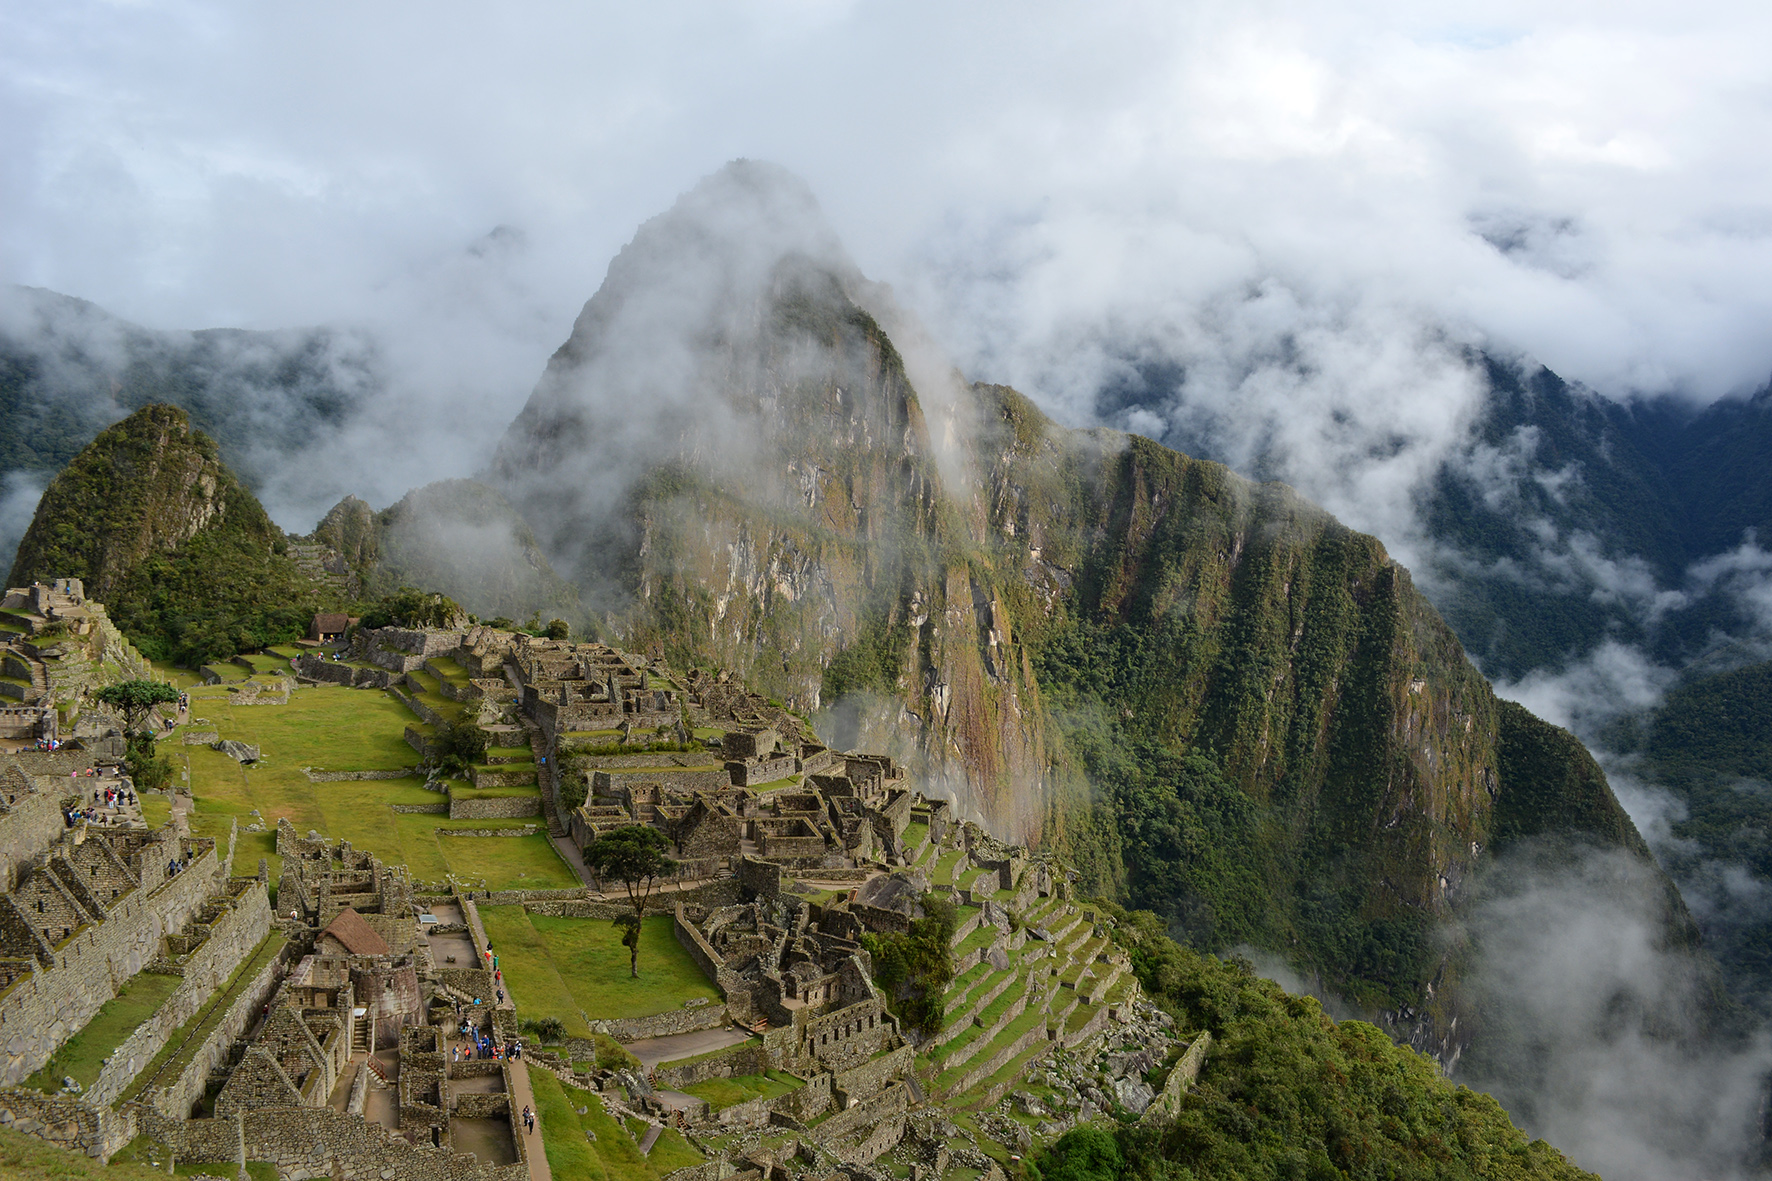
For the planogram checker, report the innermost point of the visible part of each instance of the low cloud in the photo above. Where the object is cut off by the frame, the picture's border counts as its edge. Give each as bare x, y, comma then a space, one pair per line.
1602, 1037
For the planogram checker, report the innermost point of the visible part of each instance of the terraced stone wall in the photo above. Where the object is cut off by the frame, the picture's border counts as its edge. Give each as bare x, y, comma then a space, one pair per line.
493, 808
321, 1142
40, 1012
231, 939
177, 1095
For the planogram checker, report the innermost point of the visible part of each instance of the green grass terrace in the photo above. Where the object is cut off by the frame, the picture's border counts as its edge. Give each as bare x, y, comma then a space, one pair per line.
577, 969
82, 1056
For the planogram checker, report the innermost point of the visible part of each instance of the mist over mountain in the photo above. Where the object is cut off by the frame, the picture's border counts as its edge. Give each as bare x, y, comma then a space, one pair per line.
68, 369
1183, 679
748, 455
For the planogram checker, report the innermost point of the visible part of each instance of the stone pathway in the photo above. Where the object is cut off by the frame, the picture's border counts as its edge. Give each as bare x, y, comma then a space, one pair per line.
522, 1094
653, 1050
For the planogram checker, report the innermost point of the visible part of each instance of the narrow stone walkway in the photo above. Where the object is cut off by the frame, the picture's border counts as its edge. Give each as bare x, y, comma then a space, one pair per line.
522, 1094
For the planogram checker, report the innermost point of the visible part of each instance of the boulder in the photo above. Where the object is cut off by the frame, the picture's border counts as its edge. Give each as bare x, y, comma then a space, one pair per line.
240, 752
1134, 1094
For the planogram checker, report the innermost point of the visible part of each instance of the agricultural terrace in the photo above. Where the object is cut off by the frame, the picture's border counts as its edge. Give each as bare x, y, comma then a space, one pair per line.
566, 968
333, 728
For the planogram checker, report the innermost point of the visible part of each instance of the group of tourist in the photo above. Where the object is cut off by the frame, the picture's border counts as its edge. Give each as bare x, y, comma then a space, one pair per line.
47, 744
528, 1119
174, 867
102, 798
479, 1044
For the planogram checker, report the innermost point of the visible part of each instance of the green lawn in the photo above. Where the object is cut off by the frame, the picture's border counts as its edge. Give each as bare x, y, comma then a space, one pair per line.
334, 728
82, 1056
156, 810
577, 968
721, 1093
503, 863
613, 1155
944, 869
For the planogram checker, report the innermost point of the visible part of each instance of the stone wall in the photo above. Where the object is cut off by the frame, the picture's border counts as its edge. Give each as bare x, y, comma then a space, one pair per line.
32, 822
352, 776
502, 775
493, 807
422, 809
413, 702
231, 939
67, 1122
884, 1104
848, 1037
528, 830
608, 783
1168, 1101
175, 1096
304, 1142
699, 949
633, 1029
1033, 1037
760, 878
41, 1011
874, 1074
745, 1059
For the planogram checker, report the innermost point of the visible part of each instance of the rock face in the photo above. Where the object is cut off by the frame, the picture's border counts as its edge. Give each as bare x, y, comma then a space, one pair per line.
1213, 696
458, 537
145, 486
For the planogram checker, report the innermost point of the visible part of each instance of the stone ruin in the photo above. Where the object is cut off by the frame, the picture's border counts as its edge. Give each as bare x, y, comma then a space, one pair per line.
66, 647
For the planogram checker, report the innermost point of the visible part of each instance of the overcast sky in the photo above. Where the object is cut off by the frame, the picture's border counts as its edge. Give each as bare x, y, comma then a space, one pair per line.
1586, 183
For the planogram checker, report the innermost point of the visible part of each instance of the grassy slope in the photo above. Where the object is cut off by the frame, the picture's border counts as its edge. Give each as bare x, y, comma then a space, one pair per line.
613, 1155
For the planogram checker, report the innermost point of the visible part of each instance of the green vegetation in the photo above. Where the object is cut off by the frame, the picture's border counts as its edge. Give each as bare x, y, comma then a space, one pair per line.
726, 1092
568, 968
411, 607
230, 588
1710, 744
337, 729
135, 699
458, 746
82, 1056
915, 967
1289, 1093
635, 857
613, 1155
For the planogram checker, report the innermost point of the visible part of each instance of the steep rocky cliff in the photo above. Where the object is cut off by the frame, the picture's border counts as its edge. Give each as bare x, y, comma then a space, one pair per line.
1224, 704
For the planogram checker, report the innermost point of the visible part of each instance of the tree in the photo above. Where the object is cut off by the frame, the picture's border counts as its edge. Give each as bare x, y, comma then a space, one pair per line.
458, 746
915, 967
134, 699
559, 629
634, 856
411, 607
